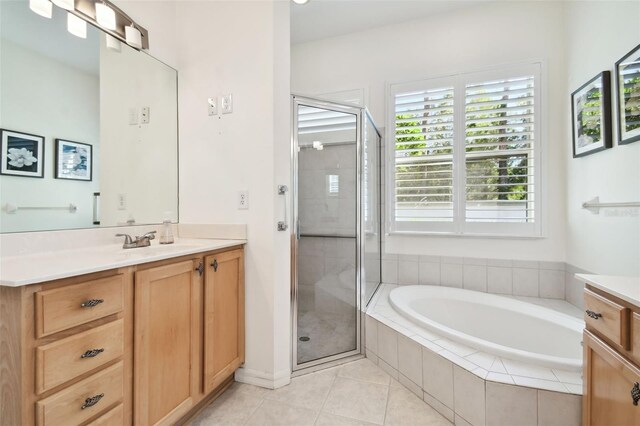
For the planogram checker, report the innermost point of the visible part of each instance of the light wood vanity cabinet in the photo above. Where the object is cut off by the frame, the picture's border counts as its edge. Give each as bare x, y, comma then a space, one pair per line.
611, 361
147, 344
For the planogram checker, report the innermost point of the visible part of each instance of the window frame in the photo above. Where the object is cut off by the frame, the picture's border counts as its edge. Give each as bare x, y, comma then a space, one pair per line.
459, 226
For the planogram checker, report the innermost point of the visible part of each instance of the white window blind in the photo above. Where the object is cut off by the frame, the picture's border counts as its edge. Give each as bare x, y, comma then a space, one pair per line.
499, 150
464, 154
424, 122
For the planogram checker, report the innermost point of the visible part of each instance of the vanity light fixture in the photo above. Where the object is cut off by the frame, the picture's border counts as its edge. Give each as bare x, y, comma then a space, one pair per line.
301, 1
65, 4
76, 26
133, 36
41, 7
113, 43
105, 16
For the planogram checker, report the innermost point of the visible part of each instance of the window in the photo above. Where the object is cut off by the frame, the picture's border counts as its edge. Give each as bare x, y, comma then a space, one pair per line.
464, 154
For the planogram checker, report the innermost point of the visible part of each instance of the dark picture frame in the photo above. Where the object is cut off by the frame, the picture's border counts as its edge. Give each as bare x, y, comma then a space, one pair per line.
22, 154
74, 160
591, 116
627, 71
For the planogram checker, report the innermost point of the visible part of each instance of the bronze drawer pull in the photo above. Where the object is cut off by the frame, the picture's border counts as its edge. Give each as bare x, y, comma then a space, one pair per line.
91, 303
90, 402
91, 353
200, 268
215, 265
635, 393
594, 315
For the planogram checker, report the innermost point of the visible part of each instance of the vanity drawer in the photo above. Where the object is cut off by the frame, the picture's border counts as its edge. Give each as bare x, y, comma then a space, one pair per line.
65, 307
113, 417
608, 318
66, 406
65, 359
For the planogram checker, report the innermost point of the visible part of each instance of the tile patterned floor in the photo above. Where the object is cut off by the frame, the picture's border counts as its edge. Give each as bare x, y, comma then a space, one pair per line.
357, 393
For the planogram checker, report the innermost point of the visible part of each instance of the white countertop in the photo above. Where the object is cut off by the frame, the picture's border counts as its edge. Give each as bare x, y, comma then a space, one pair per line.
626, 288
16, 271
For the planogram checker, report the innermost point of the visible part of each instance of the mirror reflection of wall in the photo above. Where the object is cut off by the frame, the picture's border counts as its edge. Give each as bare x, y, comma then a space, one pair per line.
91, 97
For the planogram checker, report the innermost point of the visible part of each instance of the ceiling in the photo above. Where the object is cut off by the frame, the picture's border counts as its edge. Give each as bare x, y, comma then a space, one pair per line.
320, 19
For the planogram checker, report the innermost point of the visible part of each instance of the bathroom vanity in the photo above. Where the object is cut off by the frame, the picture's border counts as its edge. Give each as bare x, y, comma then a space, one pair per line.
611, 350
147, 341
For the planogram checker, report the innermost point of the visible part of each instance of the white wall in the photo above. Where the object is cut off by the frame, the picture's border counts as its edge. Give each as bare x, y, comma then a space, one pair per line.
241, 48
598, 34
444, 44
45, 97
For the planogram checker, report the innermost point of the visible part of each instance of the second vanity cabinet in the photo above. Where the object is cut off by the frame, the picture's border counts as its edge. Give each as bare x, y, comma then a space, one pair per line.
146, 344
611, 360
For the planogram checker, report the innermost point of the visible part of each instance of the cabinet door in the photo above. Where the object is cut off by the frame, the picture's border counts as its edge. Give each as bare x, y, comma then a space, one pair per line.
224, 316
166, 342
608, 387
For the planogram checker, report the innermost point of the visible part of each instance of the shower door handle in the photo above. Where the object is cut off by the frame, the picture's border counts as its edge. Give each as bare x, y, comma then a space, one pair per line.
298, 229
283, 225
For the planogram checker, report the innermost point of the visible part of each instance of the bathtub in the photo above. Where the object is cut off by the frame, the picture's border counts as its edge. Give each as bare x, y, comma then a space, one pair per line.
498, 325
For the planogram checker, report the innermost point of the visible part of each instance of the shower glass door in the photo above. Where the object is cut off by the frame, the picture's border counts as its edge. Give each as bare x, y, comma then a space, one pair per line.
327, 227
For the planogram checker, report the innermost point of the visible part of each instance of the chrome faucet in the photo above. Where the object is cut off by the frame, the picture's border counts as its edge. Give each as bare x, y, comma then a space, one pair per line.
143, 241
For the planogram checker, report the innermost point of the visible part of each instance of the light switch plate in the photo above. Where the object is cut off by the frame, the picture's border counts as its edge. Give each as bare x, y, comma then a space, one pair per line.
226, 104
133, 116
145, 115
122, 202
212, 104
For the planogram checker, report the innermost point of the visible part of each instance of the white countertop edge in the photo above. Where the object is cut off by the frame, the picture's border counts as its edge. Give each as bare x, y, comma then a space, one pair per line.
17, 279
625, 288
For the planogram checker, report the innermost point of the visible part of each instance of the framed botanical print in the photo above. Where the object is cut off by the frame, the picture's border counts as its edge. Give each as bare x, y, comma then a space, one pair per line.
628, 93
591, 116
22, 154
74, 160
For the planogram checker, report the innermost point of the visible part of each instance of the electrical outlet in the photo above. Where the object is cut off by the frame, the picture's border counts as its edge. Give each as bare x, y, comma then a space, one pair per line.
122, 202
226, 104
213, 106
145, 115
243, 200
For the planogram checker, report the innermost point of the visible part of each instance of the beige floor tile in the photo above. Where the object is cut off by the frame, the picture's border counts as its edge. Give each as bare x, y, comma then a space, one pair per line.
275, 413
404, 408
308, 391
357, 400
326, 419
232, 408
364, 370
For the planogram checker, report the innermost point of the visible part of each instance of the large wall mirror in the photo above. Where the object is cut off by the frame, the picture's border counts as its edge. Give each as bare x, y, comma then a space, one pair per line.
89, 128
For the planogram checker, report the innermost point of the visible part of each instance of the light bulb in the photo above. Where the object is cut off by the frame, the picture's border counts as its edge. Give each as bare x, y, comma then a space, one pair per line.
41, 7
105, 16
133, 37
76, 26
65, 4
300, 1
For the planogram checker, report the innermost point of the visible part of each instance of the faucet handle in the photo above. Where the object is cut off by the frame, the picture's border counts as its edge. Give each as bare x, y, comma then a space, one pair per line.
127, 238
150, 235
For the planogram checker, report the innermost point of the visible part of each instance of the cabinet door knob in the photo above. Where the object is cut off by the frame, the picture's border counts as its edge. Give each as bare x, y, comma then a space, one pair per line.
594, 315
200, 268
635, 393
91, 353
90, 402
91, 303
215, 265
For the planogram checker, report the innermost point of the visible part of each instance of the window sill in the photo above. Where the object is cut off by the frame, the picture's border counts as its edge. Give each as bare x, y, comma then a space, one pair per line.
474, 236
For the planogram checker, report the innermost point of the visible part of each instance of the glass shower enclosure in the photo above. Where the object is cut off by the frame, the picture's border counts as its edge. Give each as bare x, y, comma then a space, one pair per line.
336, 232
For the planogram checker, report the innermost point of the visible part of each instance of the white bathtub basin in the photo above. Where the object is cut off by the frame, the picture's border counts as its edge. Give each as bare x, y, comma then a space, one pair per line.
494, 324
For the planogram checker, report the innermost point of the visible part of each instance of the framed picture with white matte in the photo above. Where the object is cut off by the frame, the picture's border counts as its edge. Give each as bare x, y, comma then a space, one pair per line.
74, 160
628, 97
591, 116
22, 154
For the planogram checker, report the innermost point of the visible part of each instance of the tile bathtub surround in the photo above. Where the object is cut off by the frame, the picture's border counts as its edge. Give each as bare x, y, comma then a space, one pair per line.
551, 280
356, 393
458, 381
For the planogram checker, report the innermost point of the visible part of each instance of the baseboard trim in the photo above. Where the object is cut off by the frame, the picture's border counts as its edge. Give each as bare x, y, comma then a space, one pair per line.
262, 379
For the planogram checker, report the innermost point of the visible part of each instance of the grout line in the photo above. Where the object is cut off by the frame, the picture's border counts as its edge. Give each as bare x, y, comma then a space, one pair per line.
254, 411
333, 382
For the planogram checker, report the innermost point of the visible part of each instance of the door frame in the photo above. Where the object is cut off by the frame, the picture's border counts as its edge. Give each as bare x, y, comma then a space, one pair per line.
298, 100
